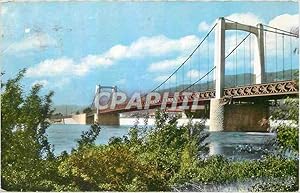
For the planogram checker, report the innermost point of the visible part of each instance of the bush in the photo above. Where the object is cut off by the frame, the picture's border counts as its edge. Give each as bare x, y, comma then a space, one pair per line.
110, 168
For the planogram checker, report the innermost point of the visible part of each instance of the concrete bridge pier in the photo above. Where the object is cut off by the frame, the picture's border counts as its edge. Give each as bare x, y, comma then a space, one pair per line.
216, 115
108, 119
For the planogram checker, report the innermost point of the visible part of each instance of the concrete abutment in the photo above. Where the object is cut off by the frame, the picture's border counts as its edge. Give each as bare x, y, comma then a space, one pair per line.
108, 119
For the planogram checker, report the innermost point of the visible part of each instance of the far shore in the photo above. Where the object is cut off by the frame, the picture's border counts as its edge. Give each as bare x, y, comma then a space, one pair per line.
151, 121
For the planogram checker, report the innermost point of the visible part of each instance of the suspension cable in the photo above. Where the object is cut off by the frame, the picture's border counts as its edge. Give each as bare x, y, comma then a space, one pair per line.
285, 32
279, 29
236, 55
208, 62
250, 45
183, 76
265, 56
187, 57
291, 54
199, 51
276, 54
238, 45
283, 57
199, 79
244, 62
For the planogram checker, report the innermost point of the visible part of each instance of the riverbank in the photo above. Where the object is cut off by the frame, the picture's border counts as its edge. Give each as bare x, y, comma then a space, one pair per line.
151, 121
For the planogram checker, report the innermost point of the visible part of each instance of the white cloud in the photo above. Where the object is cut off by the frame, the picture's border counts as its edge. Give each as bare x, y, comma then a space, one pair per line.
203, 26
194, 74
66, 66
162, 78
27, 30
52, 67
32, 42
142, 47
160, 45
3, 10
285, 21
245, 18
166, 64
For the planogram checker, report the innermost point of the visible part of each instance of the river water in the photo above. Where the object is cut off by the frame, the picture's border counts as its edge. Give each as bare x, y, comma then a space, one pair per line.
234, 145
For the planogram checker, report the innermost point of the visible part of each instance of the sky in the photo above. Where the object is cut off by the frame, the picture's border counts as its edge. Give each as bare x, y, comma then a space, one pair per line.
70, 47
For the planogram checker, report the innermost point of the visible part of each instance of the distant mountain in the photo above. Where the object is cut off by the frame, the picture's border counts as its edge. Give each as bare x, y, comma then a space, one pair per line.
238, 80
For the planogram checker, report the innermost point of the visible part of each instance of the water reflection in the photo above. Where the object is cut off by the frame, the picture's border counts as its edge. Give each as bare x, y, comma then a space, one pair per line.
240, 145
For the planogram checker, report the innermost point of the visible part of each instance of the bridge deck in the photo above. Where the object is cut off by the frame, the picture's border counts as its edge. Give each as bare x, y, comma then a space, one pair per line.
270, 90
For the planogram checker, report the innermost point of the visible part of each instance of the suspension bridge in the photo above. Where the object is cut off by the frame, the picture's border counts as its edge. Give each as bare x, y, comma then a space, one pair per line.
235, 70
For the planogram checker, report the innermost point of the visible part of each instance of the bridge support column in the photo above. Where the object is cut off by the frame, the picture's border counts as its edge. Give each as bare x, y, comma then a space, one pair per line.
216, 115
109, 119
220, 57
216, 108
259, 66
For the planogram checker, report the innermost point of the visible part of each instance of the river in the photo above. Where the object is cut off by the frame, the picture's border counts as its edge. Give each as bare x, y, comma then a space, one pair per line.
234, 145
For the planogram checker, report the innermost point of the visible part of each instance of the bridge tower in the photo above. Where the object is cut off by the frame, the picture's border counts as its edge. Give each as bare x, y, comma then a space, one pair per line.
109, 118
217, 109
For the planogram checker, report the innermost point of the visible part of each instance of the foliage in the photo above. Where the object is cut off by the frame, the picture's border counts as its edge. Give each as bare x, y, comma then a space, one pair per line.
205, 170
110, 168
145, 161
88, 137
283, 185
287, 132
169, 147
24, 143
87, 110
27, 159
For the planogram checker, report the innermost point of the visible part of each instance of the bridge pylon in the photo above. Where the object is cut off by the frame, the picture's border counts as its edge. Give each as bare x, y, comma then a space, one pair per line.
217, 109
105, 119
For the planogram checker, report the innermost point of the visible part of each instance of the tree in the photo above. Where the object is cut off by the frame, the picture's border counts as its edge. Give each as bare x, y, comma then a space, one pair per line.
87, 110
25, 150
27, 159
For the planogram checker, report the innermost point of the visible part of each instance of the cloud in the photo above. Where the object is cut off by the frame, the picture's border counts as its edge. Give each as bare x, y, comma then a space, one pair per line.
66, 66
166, 64
194, 74
160, 45
245, 18
32, 42
27, 30
203, 26
162, 78
155, 46
285, 21
53, 67
3, 10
